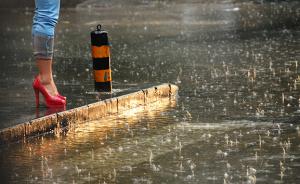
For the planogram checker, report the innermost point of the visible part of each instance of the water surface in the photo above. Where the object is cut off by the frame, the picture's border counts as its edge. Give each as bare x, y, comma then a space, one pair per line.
237, 116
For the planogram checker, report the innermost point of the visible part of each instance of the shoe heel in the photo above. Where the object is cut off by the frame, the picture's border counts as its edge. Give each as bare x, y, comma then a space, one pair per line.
37, 97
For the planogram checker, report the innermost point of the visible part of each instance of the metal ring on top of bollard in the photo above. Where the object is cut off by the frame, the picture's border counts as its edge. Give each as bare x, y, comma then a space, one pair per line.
99, 27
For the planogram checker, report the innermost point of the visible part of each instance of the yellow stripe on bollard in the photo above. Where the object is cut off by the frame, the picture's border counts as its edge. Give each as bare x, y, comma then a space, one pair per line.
100, 52
102, 75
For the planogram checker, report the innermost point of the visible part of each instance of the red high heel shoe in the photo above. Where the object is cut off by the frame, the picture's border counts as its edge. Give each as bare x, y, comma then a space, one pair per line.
62, 97
51, 101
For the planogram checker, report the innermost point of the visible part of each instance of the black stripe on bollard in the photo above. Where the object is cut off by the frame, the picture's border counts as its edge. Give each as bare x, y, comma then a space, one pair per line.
101, 63
103, 86
99, 39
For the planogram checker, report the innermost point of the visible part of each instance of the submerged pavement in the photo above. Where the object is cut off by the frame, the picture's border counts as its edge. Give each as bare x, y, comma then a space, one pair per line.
236, 119
212, 50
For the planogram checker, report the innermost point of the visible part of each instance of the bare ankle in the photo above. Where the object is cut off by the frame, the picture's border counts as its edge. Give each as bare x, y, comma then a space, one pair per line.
45, 80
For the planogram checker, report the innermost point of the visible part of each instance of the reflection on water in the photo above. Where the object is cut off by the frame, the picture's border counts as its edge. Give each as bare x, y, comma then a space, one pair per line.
48, 111
156, 144
236, 121
96, 139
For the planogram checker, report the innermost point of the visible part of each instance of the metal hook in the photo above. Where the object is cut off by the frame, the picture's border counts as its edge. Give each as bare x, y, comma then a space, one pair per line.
99, 27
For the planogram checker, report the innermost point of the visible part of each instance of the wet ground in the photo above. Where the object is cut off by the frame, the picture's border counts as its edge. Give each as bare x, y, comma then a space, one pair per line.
236, 120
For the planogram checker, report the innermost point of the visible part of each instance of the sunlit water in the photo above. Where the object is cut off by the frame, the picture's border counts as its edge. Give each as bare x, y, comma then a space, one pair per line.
158, 144
237, 116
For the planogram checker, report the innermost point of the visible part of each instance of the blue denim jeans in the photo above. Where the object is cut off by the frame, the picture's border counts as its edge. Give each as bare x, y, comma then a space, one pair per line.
42, 46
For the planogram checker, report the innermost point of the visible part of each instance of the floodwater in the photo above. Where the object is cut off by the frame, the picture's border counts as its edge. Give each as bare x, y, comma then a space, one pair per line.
236, 119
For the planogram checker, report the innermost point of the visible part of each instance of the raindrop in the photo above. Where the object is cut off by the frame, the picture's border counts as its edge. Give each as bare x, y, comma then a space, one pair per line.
120, 149
226, 138
150, 157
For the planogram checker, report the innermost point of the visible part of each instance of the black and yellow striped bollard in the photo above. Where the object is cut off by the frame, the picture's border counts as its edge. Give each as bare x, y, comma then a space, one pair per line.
101, 60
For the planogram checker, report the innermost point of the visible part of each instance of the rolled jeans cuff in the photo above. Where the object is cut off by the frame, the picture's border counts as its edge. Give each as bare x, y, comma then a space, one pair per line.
42, 46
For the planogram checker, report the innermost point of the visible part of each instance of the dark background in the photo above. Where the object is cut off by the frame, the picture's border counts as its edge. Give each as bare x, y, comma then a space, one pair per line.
73, 3
30, 3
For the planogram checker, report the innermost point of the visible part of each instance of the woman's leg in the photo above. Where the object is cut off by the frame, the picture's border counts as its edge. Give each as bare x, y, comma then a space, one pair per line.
45, 74
43, 52
43, 29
